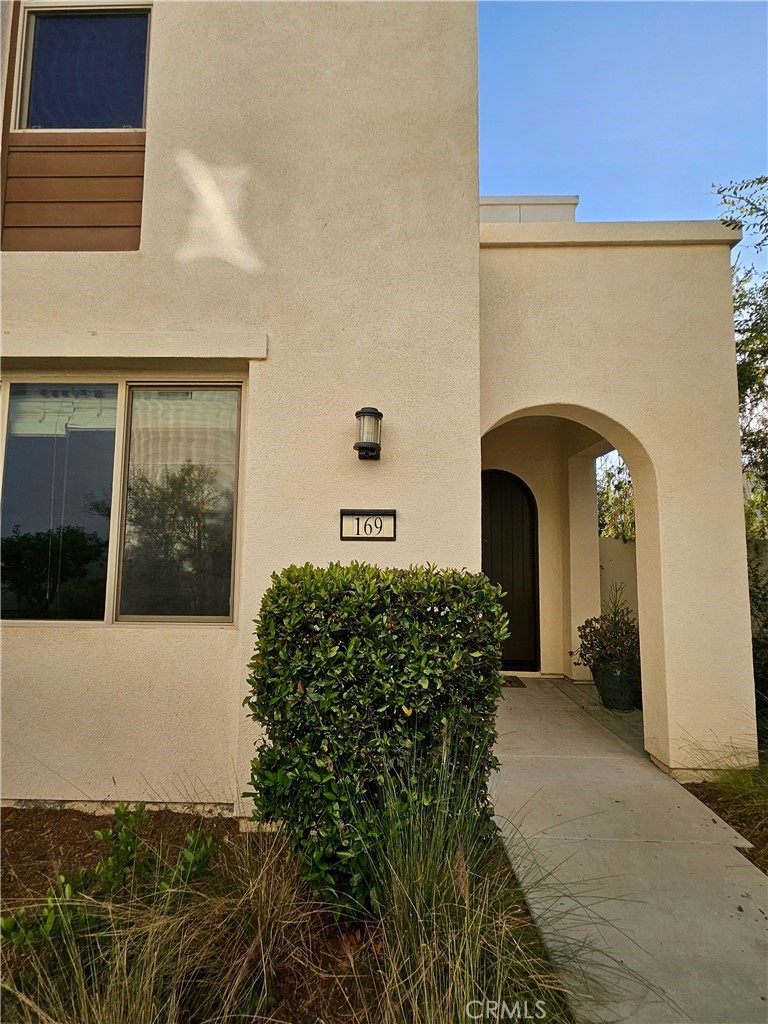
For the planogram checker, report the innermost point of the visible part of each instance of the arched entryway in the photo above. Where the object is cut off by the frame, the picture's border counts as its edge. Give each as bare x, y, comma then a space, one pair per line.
510, 558
553, 449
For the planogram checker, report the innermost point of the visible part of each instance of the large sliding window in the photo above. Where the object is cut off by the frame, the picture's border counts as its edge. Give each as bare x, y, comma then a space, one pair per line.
175, 490
57, 491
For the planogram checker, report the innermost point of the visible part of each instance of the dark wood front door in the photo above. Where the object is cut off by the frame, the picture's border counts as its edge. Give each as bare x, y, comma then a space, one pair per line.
511, 558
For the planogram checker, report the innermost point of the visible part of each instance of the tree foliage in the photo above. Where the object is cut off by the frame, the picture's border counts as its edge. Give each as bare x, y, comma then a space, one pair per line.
615, 500
748, 201
750, 302
758, 600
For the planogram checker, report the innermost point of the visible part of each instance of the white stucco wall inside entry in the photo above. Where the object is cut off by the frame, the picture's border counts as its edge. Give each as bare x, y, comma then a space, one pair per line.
618, 567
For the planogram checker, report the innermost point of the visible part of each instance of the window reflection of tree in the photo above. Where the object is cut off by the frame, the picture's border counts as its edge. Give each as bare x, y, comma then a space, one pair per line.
78, 590
178, 548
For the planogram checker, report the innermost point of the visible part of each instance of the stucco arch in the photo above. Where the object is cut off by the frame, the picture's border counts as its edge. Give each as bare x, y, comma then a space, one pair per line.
619, 436
677, 735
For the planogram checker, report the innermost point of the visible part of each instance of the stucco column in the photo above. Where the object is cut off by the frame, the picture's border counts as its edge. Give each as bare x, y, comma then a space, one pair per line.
693, 580
584, 554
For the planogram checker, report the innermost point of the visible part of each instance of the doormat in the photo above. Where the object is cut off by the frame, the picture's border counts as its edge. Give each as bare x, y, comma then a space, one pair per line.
513, 681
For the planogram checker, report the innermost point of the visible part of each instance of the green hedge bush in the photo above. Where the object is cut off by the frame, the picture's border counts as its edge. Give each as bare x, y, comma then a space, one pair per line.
361, 675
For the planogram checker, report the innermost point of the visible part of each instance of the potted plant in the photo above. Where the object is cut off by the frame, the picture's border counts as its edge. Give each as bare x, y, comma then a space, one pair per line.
610, 649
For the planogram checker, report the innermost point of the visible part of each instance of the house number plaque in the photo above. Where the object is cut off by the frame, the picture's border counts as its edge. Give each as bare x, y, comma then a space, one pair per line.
368, 523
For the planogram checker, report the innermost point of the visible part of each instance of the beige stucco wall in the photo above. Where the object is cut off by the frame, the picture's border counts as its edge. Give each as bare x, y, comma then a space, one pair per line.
337, 150
628, 329
584, 581
119, 713
618, 565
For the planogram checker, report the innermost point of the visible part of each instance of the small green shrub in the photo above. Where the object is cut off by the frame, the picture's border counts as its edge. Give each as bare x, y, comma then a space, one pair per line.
131, 867
612, 639
360, 673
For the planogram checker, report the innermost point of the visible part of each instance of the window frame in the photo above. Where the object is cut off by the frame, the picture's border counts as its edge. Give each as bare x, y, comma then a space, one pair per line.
191, 380
23, 61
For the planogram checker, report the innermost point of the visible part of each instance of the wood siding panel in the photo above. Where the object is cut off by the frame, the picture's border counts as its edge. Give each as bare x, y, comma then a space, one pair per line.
71, 239
75, 163
10, 71
73, 191
55, 215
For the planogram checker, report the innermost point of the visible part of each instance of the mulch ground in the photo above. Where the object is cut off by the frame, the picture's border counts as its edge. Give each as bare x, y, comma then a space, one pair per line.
752, 827
38, 845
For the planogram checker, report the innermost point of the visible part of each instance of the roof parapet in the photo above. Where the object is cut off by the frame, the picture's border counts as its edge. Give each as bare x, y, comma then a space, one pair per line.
527, 209
609, 233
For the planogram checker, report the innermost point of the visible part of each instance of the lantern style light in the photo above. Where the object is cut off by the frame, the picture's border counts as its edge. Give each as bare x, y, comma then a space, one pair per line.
368, 444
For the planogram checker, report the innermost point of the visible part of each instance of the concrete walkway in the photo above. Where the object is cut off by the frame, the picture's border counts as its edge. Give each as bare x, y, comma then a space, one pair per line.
616, 856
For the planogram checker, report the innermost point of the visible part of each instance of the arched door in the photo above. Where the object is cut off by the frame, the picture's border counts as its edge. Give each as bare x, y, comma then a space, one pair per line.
511, 558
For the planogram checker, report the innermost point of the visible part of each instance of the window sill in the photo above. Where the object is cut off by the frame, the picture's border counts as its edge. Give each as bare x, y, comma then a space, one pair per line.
77, 137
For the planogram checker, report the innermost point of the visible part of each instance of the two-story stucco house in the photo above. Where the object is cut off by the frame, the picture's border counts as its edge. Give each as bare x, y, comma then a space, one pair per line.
227, 228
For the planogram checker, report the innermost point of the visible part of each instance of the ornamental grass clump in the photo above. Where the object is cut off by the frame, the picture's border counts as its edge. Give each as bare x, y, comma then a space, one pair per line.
361, 674
454, 937
163, 944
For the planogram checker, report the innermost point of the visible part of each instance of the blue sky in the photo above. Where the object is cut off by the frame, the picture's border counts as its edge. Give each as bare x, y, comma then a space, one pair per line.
636, 107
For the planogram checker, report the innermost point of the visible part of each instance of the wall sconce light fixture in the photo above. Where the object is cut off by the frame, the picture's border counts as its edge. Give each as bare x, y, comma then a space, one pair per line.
368, 444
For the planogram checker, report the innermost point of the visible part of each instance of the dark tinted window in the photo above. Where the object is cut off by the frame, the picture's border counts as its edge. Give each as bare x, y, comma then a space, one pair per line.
57, 491
87, 70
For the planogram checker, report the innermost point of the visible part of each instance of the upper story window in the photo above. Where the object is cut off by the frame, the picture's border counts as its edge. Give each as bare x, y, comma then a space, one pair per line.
84, 69
73, 130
